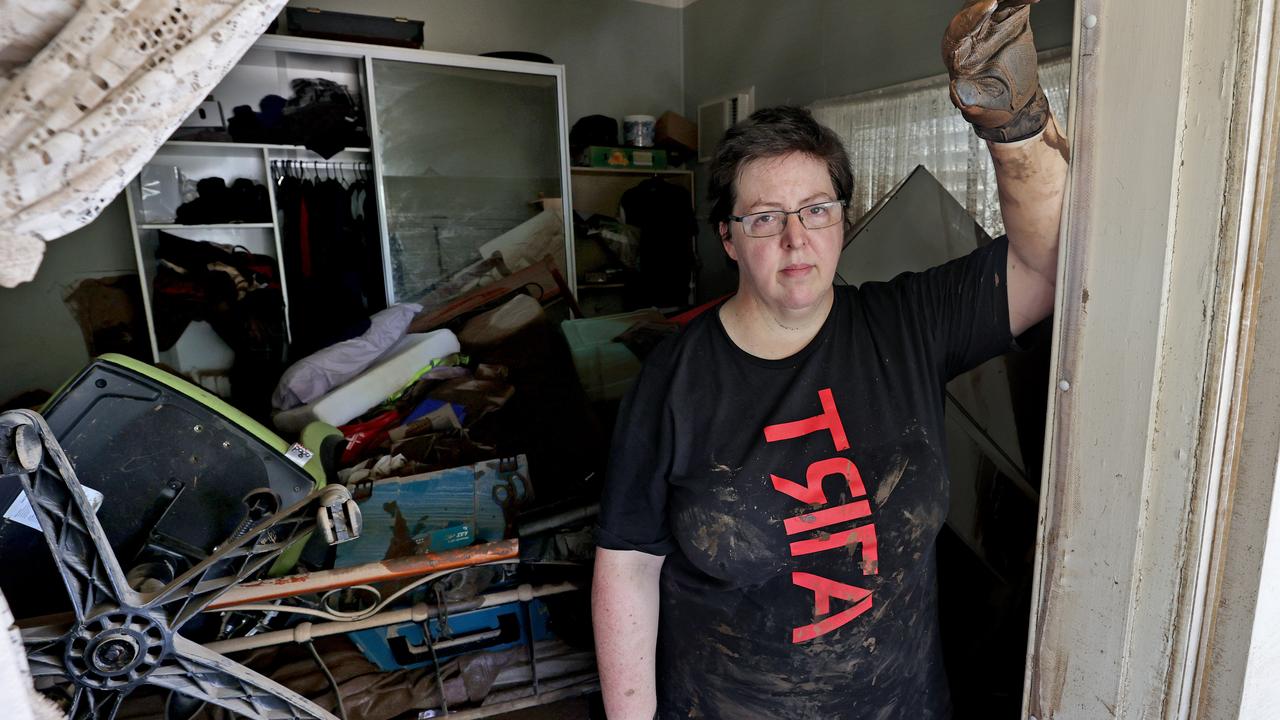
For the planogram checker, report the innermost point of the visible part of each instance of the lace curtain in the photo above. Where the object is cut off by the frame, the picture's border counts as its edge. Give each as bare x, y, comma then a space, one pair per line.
89, 89
889, 132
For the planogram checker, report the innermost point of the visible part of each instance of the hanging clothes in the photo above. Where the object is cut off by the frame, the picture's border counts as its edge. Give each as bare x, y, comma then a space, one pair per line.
364, 212
332, 256
664, 214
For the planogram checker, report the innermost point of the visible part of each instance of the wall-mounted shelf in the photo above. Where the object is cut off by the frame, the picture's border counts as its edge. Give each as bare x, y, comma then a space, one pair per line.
211, 226
599, 191
267, 146
206, 148
577, 170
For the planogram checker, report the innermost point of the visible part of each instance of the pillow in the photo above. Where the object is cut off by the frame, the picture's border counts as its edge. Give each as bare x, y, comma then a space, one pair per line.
318, 373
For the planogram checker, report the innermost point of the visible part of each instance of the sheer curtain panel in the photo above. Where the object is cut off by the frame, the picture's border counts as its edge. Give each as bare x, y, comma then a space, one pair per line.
889, 132
88, 91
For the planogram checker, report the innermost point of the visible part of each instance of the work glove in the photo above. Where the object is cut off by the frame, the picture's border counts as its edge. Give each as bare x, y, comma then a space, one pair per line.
991, 57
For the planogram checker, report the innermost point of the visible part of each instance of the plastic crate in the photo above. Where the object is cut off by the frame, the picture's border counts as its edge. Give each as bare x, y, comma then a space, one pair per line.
625, 157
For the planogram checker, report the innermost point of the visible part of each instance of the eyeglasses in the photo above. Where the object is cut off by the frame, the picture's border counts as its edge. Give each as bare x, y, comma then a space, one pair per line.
772, 222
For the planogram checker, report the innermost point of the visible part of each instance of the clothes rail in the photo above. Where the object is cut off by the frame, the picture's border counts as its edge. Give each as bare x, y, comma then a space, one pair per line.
319, 169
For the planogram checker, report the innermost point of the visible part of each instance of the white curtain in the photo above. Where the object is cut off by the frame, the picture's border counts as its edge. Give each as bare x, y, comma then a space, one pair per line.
889, 132
89, 89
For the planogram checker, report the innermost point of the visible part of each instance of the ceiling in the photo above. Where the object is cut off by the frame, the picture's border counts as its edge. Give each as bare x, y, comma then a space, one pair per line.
669, 3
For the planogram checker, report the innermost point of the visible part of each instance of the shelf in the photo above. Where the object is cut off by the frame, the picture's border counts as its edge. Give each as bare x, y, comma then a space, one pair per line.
600, 190
218, 226
300, 148
577, 170
224, 146
471, 178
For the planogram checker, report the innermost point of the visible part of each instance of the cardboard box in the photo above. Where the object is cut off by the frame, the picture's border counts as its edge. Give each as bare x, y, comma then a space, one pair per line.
675, 129
638, 158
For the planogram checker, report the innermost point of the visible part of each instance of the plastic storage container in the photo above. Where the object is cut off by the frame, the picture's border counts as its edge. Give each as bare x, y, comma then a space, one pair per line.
605, 368
638, 130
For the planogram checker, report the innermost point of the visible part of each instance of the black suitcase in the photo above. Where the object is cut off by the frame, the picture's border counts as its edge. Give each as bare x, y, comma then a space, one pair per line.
329, 25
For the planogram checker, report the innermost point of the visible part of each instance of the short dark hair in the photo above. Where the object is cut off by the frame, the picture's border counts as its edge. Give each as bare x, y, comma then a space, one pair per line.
769, 133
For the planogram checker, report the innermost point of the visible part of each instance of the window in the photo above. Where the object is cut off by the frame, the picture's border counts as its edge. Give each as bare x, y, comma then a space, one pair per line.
889, 132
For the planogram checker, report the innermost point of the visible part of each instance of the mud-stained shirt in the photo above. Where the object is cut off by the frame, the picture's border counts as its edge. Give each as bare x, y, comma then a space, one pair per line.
797, 501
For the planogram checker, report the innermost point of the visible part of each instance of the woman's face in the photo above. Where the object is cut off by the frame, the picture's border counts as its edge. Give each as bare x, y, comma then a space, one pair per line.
791, 272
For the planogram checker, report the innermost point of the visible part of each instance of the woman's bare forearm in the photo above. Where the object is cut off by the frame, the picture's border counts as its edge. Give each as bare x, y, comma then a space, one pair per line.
624, 614
1032, 179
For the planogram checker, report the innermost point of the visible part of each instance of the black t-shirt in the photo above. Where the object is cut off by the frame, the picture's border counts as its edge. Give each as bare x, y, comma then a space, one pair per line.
797, 500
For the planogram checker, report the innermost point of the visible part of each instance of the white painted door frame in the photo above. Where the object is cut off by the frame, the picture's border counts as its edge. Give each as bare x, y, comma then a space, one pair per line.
1151, 598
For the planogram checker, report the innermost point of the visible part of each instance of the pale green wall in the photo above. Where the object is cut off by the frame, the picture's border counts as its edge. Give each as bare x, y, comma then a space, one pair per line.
42, 343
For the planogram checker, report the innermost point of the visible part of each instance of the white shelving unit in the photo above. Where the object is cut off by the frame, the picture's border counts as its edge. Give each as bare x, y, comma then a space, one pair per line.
200, 352
269, 68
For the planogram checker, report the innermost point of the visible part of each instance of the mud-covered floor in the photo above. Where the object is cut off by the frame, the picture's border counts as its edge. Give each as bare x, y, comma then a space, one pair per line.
571, 709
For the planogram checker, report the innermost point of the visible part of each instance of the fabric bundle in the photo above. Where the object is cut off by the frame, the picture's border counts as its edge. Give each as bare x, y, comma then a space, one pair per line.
313, 376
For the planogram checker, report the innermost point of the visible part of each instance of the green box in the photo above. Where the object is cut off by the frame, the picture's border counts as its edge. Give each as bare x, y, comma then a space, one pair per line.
630, 158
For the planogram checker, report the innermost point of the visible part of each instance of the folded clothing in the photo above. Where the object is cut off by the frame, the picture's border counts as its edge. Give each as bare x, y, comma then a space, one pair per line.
198, 280
313, 376
238, 293
320, 114
243, 201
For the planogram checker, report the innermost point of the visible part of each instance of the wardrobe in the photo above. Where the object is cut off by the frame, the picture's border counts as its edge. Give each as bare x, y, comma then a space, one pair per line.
324, 180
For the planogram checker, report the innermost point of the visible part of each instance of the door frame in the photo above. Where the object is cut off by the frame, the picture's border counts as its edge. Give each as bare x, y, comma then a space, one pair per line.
1156, 539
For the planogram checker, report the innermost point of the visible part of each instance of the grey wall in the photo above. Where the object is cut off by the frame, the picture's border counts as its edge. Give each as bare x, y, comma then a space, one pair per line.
43, 346
620, 57
801, 51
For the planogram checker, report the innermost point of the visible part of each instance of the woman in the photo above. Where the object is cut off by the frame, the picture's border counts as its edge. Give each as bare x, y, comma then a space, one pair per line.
779, 471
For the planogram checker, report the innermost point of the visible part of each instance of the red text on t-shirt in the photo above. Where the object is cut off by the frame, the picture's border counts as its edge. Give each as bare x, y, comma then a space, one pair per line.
815, 522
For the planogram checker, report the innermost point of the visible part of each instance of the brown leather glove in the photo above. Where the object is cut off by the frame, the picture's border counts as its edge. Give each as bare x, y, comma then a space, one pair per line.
991, 56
